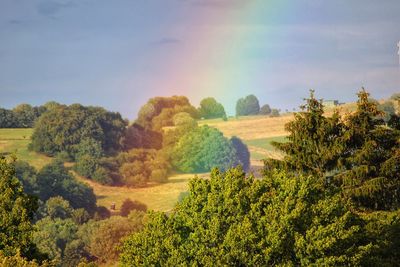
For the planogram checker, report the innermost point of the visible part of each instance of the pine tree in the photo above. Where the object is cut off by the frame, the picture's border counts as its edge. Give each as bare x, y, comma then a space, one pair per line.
371, 161
314, 145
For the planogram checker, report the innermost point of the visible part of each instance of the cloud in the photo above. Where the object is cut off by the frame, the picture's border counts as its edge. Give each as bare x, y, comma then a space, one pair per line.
50, 8
217, 3
167, 41
15, 22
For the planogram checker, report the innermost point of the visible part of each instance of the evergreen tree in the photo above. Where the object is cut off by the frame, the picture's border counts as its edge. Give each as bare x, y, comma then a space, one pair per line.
371, 161
314, 145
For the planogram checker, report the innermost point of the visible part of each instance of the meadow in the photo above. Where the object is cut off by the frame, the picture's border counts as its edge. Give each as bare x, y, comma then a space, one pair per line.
16, 141
256, 131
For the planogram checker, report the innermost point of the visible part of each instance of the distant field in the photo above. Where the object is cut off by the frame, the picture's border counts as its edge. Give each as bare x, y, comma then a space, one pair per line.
251, 127
160, 197
16, 141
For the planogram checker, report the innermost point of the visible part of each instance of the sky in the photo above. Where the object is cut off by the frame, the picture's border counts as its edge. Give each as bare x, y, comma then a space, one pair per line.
118, 54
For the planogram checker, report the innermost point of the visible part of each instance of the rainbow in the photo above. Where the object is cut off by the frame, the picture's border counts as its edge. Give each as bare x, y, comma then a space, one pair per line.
217, 57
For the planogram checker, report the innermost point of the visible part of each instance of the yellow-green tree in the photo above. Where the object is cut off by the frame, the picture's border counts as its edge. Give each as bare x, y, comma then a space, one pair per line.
16, 212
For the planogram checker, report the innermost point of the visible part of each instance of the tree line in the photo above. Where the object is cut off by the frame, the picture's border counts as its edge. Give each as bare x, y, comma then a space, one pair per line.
106, 149
331, 201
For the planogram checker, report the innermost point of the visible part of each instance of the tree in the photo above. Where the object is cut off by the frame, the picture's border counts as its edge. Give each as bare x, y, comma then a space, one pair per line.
16, 212
211, 109
106, 235
62, 129
233, 220
55, 180
370, 164
314, 145
202, 149
265, 110
25, 115
247, 106
7, 119
359, 152
158, 112
137, 136
54, 236
26, 174
129, 205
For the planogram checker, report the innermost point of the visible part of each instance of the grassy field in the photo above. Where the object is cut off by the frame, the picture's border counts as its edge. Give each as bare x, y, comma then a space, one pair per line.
161, 197
256, 131
251, 127
15, 141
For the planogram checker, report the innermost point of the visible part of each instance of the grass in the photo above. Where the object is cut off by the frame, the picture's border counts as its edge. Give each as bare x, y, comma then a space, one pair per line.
16, 141
160, 197
256, 131
265, 143
251, 127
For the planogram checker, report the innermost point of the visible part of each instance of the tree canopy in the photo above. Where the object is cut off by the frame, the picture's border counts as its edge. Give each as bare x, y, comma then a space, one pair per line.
211, 109
235, 220
247, 106
62, 128
202, 149
158, 112
16, 212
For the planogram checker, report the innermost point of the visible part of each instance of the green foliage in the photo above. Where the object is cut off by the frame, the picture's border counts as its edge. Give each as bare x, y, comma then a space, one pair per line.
202, 149
371, 160
26, 174
53, 237
139, 166
233, 220
388, 110
265, 110
19, 261
211, 109
137, 136
359, 151
247, 106
63, 128
8, 119
313, 144
129, 205
158, 112
16, 212
57, 207
55, 180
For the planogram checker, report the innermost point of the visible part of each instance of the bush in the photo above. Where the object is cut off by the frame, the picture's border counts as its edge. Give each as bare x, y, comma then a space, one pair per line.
129, 205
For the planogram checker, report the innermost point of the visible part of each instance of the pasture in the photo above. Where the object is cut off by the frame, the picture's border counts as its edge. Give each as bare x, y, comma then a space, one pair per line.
16, 141
256, 131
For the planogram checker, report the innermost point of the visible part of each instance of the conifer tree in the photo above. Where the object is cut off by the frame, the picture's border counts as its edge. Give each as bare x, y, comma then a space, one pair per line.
371, 161
313, 145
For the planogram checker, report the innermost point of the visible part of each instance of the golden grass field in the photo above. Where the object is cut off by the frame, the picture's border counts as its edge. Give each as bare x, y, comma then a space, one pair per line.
255, 131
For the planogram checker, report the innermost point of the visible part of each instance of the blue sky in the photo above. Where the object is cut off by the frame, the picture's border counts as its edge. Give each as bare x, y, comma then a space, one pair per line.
117, 54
